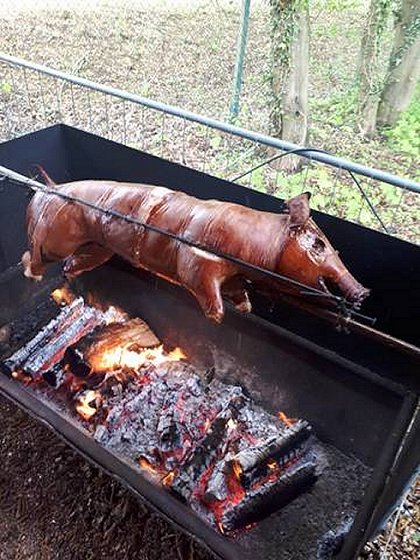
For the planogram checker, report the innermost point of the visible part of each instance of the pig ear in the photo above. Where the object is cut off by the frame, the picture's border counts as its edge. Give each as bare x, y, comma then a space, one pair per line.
299, 210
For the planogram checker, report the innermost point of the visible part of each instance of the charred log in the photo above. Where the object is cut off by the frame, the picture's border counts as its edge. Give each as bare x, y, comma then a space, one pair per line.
217, 488
274, 494
51, 353
134, 335
56, 376
69, 314
275, 447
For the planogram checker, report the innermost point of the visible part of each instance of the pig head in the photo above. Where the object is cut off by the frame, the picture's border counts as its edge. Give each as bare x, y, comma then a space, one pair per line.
290, 244
309, 257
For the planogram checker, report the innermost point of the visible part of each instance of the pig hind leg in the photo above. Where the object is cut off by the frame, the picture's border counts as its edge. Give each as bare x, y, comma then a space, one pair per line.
234, 289
87, 257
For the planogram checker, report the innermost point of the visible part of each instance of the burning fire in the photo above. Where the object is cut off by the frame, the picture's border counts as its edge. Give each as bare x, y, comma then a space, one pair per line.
285, 419
121, 357
86, 404
114, 314
237, 469
168, 479
146, 465
63, 296
231, 424
272, 464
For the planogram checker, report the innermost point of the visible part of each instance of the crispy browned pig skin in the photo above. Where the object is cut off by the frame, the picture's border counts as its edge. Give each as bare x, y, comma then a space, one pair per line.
290, 244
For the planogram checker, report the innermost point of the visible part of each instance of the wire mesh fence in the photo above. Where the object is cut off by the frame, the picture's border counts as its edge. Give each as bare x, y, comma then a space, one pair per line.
182, 52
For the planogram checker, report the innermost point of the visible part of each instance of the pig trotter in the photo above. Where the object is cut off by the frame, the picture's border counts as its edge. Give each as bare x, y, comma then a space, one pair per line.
34, 271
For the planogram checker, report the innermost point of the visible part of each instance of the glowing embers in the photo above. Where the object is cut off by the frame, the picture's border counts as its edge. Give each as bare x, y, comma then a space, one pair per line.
87, 403
230, 460
83, 347
205, 440
63, 295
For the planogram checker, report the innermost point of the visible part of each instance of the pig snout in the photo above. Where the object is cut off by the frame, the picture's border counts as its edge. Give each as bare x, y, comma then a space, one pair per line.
351, 288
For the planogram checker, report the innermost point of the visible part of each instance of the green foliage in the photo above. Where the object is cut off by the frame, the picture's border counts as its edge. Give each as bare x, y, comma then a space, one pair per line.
215, 142
340, 110
411, 32
5, 87
258, 181
405, 135
416, 536
340, 5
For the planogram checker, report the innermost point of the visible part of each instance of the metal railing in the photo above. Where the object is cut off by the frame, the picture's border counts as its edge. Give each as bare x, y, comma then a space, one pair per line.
36, 96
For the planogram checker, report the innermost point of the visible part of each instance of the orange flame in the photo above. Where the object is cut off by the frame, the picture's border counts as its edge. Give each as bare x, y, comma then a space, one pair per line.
168, 479
272, 464
84, 404
121, 357
237, 469
63, 296
146, 465
20, 376
285, 419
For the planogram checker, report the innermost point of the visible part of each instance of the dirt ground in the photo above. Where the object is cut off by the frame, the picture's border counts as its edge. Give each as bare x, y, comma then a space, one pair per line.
55, 505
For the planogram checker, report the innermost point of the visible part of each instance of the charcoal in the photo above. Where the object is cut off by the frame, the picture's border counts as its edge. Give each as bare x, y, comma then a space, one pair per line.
217, 487
47, 356
270, 496
55, 376
75, 360
275, 447
57, 325
207, 450
217, 450
259, 423
168, 427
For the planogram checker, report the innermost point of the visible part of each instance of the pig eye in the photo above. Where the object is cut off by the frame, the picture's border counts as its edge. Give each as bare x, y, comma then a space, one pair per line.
319, 246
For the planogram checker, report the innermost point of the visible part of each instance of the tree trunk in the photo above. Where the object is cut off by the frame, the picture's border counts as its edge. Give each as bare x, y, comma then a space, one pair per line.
289, 74
404, 65
369, 66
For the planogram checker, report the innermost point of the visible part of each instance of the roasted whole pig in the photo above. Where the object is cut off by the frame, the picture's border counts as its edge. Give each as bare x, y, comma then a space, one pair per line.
290, 244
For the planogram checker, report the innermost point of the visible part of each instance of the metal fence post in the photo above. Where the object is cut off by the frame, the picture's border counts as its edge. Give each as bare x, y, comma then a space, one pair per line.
240, 57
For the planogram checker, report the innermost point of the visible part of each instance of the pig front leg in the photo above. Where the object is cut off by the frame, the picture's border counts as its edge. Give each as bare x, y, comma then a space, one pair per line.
87, 257
234, 289
203, 275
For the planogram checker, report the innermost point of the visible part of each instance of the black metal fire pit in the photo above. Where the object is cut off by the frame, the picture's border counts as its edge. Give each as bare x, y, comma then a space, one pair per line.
360, 396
